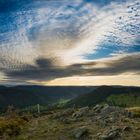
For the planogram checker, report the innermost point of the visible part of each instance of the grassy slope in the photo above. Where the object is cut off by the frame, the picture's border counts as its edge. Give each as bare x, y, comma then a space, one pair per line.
109, 94
128, 100
22, 96
46, 127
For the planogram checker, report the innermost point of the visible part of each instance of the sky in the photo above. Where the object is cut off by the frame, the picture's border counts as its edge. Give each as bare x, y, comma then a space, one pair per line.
70, 42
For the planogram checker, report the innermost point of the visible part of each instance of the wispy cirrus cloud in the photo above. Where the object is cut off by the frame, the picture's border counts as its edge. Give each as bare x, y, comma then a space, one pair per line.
52, 39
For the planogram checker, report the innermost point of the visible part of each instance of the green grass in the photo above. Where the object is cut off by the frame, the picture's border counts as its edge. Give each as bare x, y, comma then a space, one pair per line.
124, 100
47, 127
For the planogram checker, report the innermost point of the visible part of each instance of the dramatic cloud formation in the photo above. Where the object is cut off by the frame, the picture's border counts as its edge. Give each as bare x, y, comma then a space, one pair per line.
45, 70
45, 40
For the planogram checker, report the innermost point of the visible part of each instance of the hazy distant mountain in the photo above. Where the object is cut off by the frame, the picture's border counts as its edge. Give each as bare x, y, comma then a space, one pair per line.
116, 95
21, 96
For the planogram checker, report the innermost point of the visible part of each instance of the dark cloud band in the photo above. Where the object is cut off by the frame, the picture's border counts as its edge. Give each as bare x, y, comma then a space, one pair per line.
45, 70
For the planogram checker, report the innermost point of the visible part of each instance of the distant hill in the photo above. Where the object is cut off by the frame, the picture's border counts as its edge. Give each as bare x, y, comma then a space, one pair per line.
115, 95
22, 96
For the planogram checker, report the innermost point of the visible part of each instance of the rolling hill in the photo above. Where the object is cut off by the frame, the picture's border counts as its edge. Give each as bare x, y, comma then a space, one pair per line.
22, 96
114, 95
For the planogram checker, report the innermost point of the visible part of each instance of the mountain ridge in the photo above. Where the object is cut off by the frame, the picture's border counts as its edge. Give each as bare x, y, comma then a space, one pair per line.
101, 94
22, 96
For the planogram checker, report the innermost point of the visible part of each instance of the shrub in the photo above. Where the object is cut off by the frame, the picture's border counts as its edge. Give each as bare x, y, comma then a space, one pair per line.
11, 127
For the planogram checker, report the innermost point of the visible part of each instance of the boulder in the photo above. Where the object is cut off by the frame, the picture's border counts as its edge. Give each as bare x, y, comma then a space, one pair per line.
97, 108
127, 129
56, 115
81, 112
112, 119
63, 114
107, 109
113, 134
79, 132
68, 111
103, 123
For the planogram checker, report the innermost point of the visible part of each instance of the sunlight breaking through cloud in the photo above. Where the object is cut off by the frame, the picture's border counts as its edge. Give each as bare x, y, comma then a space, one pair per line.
45, 40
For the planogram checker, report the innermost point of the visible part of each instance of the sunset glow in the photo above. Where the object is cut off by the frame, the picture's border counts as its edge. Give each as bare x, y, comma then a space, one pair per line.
78, 42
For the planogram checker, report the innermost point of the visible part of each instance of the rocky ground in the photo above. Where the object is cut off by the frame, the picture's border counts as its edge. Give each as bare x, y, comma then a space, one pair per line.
102, 122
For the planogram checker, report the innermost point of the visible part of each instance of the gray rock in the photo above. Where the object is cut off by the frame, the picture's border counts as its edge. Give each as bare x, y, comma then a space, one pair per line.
113, 134
127, 129
68, 111
62, 114
56, 115
106, 110
97, 108
103, 123
81, 112
79, 132
111, 119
